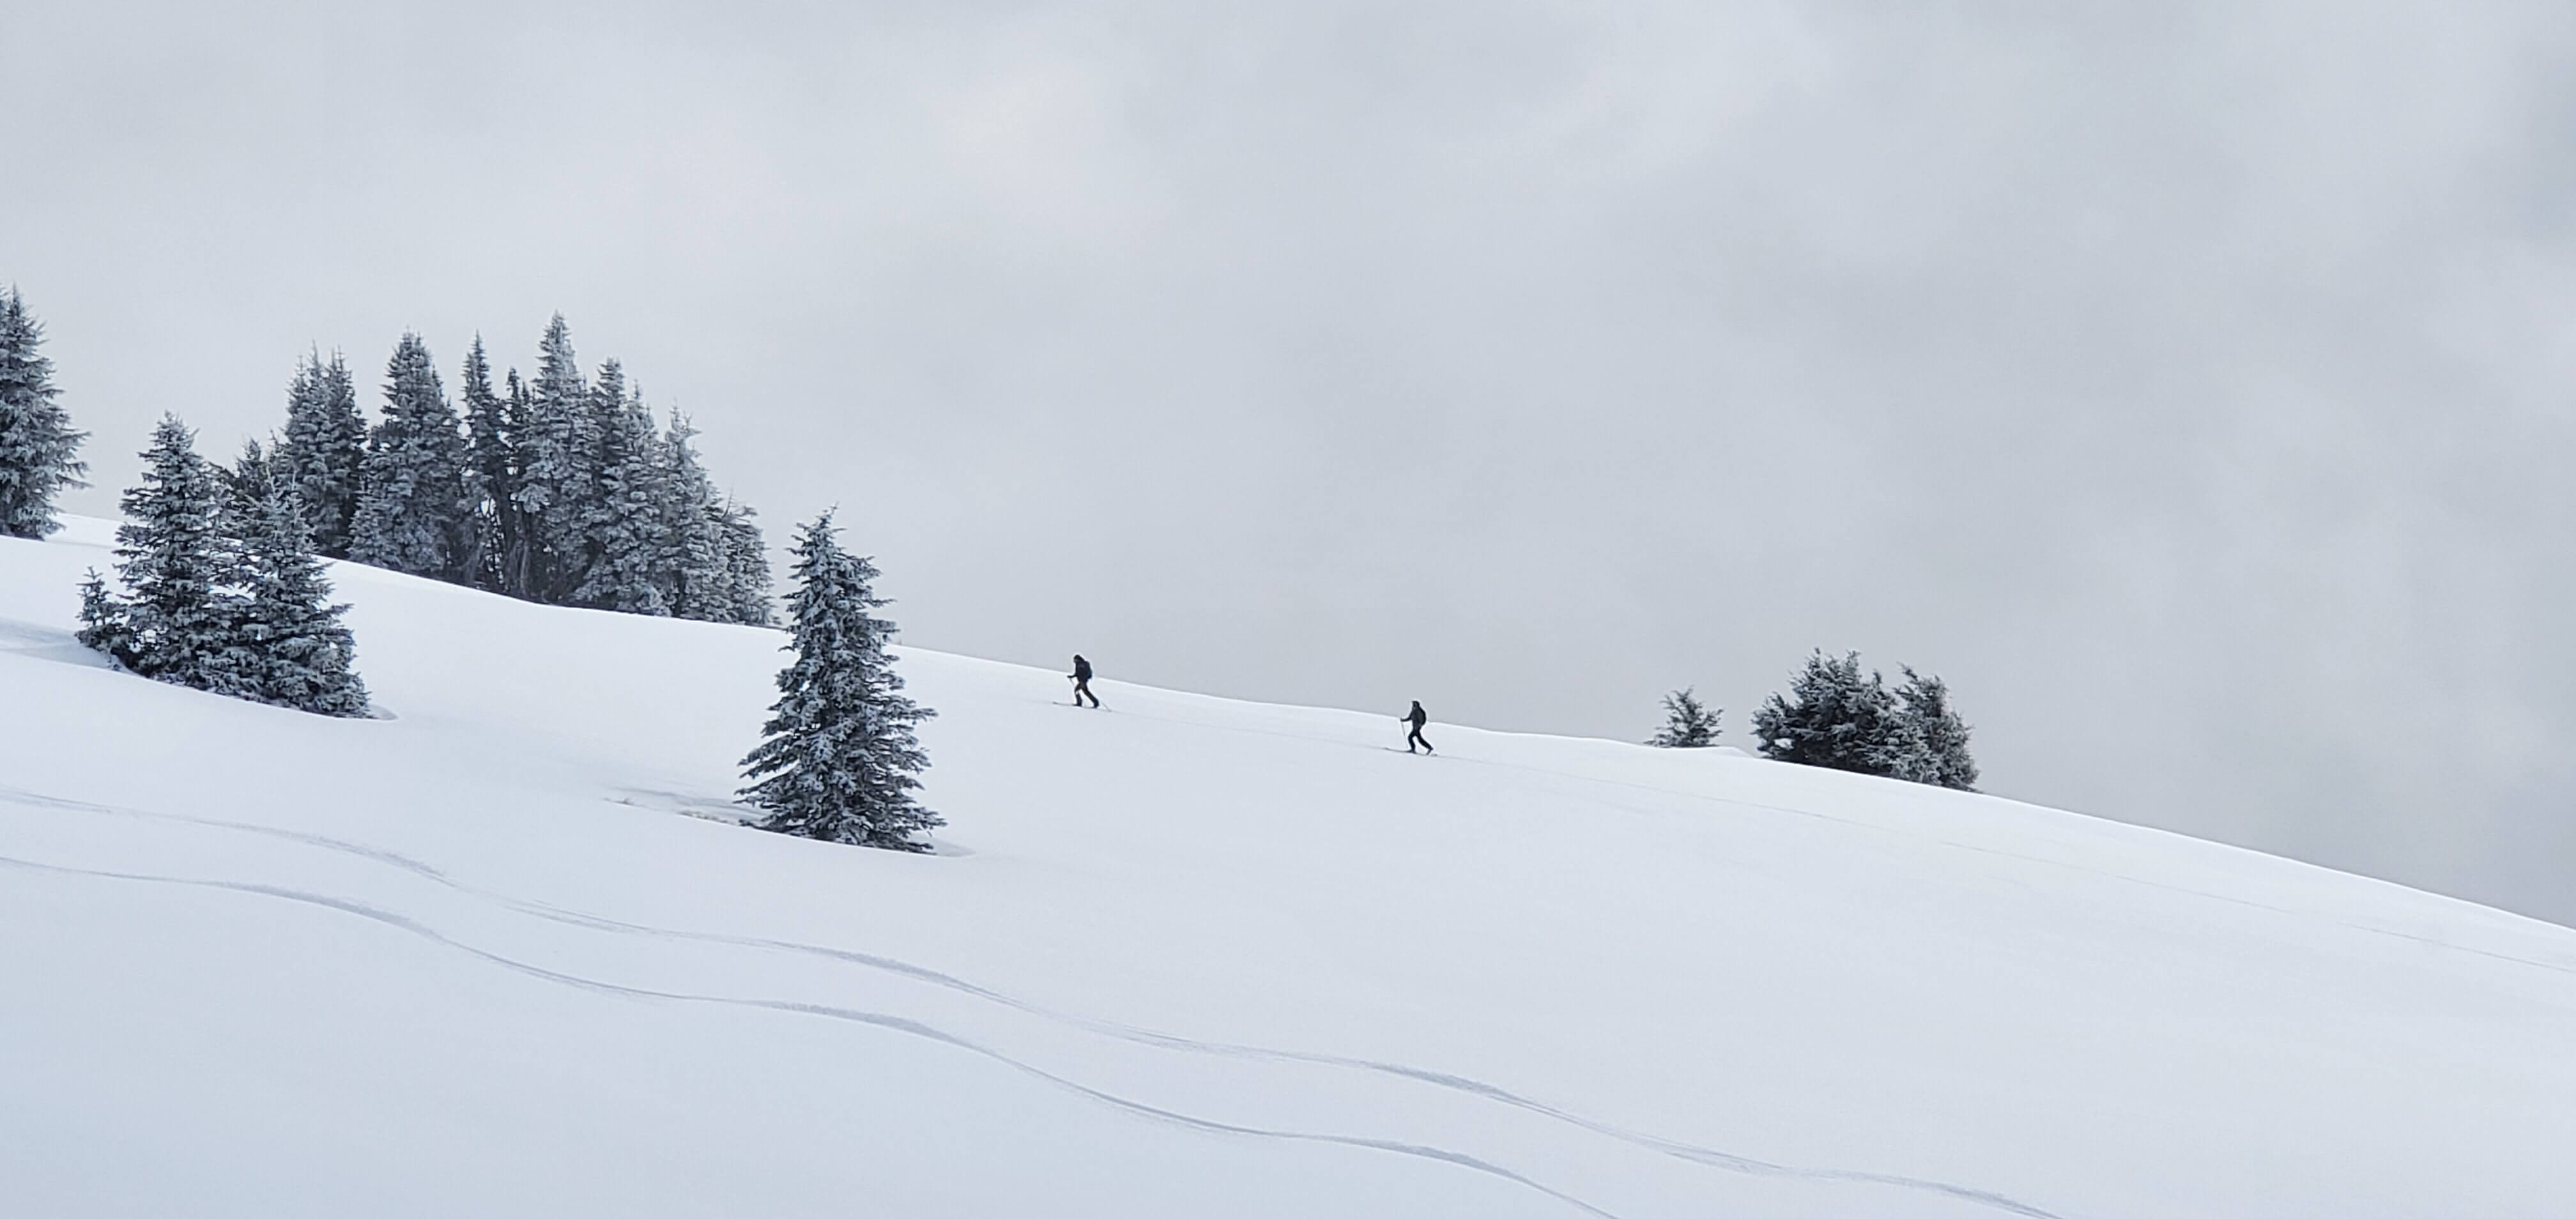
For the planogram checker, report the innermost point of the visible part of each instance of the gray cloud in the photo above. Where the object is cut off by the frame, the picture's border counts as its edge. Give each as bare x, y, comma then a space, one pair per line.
2185, 382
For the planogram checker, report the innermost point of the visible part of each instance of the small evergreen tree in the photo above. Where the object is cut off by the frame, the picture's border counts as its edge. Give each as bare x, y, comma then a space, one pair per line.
412, 509
175, 562
39, 451
622, 521
292, 649
839, 761
1935, 738
1835, 716
324, 450
107, 625
1687, 724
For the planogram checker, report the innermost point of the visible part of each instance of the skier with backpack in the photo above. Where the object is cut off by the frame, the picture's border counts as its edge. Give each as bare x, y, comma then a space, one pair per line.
1081, 679
1417, 718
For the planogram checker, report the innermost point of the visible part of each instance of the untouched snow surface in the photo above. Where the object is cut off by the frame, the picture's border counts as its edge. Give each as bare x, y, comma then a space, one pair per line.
502, 954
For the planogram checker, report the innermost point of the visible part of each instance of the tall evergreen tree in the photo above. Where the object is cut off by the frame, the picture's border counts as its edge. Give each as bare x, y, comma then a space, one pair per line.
324, 449
746, 566
623, 522
558, 448
176, 563
1936, 739
493, 465
1834, 716
522, 563
412, 509
693, 531
1687, 723
39, 451
839, 761
291, 648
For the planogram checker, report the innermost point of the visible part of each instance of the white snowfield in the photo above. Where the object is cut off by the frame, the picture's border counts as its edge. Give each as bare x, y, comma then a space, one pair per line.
504, 954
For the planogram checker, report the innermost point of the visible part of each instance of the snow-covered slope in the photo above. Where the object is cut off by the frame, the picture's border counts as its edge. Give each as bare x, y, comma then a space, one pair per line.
499, 955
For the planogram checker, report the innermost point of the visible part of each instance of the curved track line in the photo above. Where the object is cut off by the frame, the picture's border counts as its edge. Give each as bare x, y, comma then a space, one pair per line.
881, 1020
1690, 1152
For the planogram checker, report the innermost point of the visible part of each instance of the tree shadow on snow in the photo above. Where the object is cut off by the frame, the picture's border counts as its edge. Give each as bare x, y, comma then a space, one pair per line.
734, 812
45, 643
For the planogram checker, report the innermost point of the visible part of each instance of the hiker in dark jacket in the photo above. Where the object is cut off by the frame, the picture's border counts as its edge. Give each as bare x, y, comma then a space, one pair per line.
1082, 682
1416, 717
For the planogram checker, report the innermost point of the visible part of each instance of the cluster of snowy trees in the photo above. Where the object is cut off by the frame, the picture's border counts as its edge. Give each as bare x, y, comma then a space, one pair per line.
39, 451
1837, 716
221, 588
561, 489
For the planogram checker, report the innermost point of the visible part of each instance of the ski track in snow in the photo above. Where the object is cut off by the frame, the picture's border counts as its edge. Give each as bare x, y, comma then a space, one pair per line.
892, 1023
1461, 1085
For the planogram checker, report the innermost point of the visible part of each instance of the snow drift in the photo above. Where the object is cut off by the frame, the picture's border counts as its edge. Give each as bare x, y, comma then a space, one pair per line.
504, 953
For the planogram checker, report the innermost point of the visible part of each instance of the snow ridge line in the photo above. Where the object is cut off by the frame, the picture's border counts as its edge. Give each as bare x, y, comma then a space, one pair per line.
1677, 1149
2291, 912
1856, 823
891, 1023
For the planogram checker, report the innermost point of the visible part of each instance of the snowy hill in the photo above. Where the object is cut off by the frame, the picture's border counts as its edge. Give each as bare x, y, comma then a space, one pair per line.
502, 955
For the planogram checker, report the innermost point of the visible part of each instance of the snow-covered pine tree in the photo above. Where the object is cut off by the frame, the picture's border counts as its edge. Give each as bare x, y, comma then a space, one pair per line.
324, 449
493, 472
176, 564
107, 625
412, 508
693, 531
1938, 737
839, 761
39, 451
746, 565
623, 521
1835, 716
290, 646
557, 483
1687, 723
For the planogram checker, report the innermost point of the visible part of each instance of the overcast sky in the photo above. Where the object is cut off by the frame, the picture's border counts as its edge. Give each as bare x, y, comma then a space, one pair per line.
2189, 383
